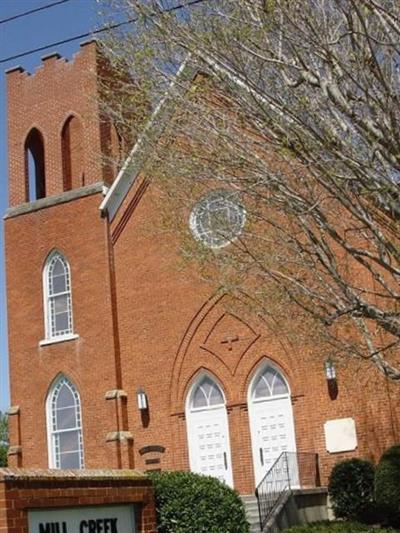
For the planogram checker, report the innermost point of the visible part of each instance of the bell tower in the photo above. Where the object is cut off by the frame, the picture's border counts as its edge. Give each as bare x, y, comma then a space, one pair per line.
55, 129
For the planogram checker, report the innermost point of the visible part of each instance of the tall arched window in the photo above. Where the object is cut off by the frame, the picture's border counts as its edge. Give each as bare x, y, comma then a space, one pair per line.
34, 166
57, 296
72, 153
64, 425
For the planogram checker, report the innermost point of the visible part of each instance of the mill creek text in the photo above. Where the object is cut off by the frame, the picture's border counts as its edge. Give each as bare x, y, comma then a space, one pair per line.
101, 525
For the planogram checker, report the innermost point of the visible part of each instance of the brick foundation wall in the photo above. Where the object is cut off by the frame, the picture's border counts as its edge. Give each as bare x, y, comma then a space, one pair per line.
21, 490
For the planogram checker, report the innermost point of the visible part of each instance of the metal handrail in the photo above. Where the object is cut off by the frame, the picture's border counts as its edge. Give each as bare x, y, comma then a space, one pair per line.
290, 470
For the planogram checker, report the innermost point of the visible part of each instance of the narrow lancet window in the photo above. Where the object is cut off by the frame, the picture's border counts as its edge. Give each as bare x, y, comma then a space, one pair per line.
72, 154
64, 425
58, 298
34, 166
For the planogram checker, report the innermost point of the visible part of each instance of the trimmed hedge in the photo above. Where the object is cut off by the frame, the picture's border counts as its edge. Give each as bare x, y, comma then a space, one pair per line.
387, 485
351, 488
191, 503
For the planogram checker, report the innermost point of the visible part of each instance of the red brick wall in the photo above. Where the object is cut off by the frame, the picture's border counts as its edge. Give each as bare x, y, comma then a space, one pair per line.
165, 315
75, 229
23, 490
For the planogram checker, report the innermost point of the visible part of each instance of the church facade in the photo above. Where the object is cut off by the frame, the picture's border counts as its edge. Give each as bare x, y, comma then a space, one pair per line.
120, 359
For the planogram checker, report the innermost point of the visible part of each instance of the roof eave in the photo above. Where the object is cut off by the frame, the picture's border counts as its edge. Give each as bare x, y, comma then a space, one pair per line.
143, 146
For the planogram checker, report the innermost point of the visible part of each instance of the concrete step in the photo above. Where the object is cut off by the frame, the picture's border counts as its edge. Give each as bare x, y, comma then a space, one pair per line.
251, 507
248, 497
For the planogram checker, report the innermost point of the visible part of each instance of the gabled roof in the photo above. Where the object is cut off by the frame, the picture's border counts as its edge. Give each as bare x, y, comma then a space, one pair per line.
144, 145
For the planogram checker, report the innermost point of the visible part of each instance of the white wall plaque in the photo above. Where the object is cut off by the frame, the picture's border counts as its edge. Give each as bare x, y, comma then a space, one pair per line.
93, 519
340, 435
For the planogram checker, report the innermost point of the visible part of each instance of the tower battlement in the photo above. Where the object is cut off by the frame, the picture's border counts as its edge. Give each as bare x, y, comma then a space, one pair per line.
50, 59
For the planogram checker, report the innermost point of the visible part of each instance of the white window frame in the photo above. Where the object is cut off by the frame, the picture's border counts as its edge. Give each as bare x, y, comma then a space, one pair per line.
51, 336
51, 432
203, 205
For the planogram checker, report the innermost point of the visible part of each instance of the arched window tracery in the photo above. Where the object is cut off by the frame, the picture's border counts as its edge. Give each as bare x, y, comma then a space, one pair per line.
270, 382
64, 425
206, 394
58, 297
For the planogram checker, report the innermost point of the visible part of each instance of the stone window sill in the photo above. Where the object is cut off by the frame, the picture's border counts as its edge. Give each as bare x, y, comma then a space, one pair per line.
56, 340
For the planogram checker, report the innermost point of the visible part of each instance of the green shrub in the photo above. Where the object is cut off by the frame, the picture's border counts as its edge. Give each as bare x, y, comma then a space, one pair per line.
3, 455
3, 439
191, 503
337, 527
351, 488
387, 485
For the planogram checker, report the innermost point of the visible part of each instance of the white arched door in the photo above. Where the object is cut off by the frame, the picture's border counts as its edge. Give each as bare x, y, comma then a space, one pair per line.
208, 432
271, 421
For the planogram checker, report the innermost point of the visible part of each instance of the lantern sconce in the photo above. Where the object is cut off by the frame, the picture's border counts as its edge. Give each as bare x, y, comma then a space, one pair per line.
142, 400
330, 374
330, 370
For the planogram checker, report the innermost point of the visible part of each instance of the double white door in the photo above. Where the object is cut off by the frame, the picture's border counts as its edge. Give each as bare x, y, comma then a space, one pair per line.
209, 449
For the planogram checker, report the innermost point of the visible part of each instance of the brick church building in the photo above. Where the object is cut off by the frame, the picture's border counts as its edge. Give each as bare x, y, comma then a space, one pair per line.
118, 358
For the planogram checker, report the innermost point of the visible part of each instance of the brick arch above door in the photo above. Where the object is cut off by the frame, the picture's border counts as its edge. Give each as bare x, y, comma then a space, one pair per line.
222, 337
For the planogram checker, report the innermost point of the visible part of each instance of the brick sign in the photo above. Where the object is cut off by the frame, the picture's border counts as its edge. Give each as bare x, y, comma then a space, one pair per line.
95, 519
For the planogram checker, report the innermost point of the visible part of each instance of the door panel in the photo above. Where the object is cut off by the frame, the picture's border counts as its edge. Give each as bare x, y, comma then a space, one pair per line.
272, 433
209, 448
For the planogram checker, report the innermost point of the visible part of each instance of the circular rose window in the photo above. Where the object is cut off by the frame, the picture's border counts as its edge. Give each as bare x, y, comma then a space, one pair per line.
217, 218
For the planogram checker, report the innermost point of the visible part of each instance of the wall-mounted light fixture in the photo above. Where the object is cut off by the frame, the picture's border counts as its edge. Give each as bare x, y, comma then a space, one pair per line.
142, 399
330, 370
330, 374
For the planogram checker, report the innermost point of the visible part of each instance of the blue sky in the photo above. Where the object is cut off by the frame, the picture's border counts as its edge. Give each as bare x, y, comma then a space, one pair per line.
55, 24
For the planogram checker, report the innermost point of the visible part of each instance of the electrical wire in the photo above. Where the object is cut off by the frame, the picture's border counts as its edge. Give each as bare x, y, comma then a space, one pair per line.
31, 11
95, 32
